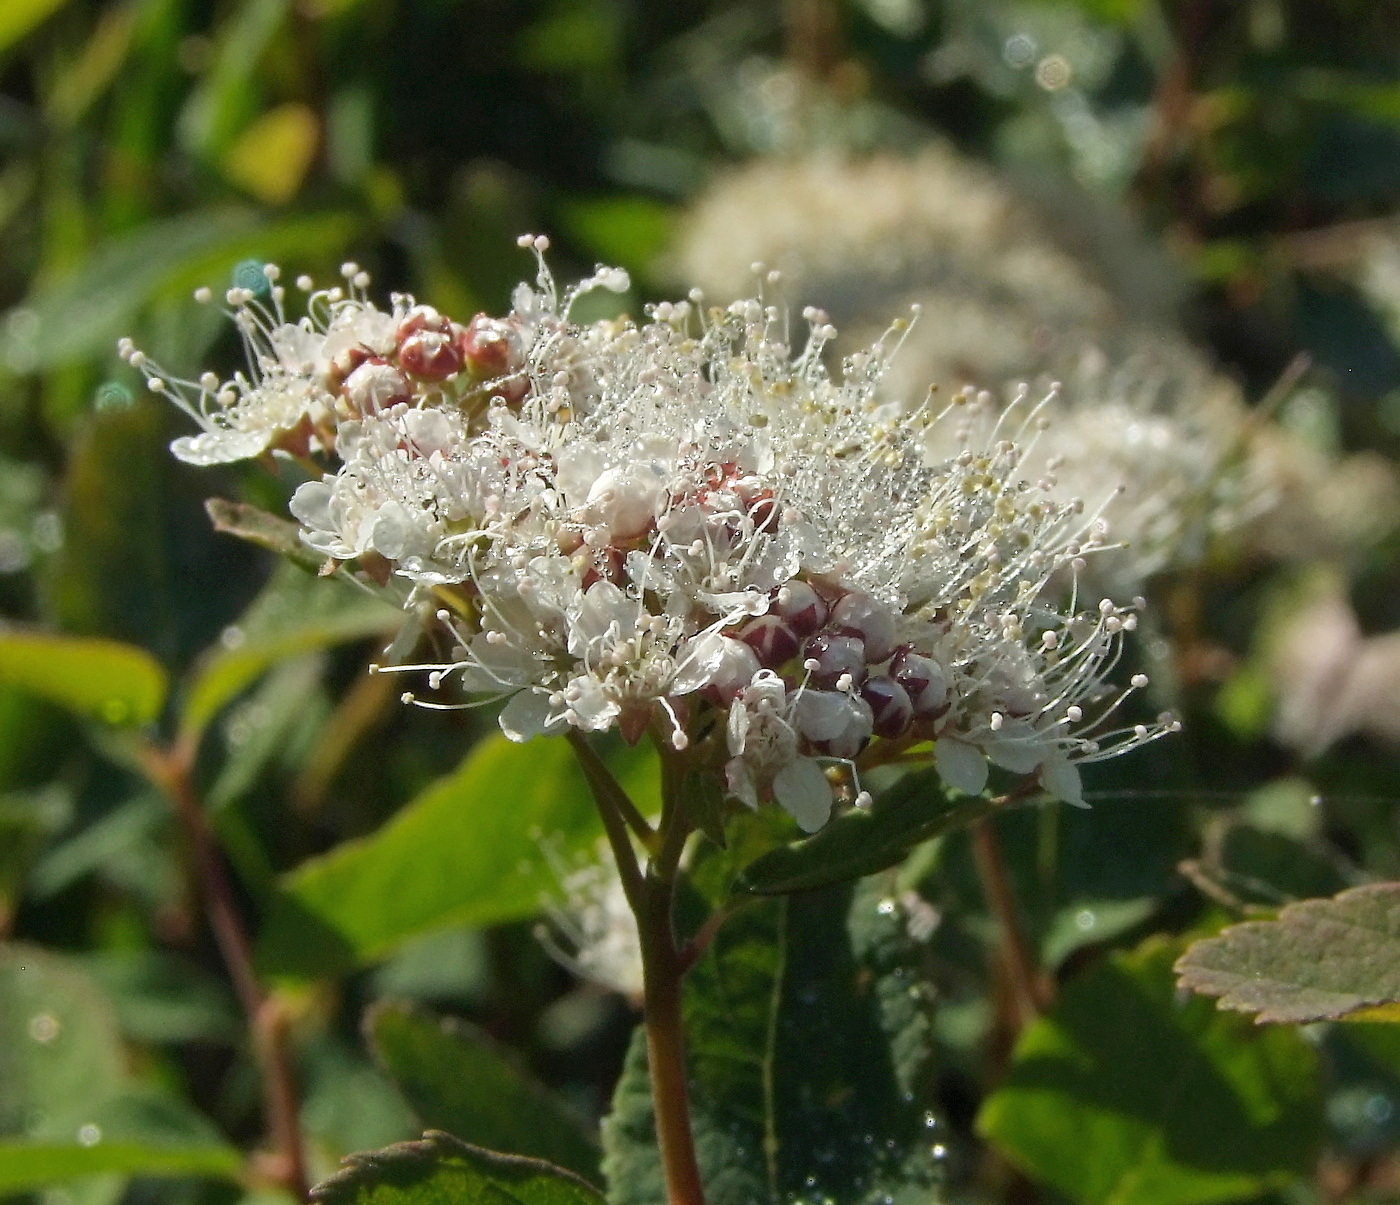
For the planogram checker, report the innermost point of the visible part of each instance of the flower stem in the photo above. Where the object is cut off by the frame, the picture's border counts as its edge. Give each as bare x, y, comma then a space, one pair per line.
662, 973
169, 769
652, 896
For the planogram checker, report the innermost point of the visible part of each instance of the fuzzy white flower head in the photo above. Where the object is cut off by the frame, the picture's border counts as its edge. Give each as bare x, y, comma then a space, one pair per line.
689, 527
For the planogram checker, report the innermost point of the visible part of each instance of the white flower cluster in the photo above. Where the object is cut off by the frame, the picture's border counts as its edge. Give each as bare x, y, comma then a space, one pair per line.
687, 527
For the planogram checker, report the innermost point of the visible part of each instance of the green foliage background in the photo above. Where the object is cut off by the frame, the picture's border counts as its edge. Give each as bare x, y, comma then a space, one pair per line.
391, 863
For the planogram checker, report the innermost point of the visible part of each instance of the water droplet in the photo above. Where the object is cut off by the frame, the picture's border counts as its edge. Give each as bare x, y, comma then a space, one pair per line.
1316, 801
1053, 72
44, 1027
1379, 1109
112, 395
249, 275
233, 637
1084, 920
89, 1134
939, 1151
886, 907
1019, 50
930, 1120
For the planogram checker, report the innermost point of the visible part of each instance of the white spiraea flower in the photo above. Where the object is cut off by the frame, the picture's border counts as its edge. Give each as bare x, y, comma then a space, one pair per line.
592, 929
688, 526
343, 360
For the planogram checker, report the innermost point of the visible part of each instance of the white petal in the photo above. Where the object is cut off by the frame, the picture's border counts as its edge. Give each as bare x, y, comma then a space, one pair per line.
1060, 777
526, 715
740, 782
312, 504
823, 715
220, 447
960, 765
699, 660
802, 788
1016, 748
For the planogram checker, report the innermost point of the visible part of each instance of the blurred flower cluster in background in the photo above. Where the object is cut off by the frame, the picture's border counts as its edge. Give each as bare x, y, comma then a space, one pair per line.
1178, 220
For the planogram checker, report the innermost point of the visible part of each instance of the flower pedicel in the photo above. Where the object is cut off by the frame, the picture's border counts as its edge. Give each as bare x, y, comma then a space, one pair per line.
688, 527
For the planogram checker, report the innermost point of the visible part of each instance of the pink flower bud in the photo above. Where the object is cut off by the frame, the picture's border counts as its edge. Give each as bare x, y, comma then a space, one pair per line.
923, 680
430, 355
490, 347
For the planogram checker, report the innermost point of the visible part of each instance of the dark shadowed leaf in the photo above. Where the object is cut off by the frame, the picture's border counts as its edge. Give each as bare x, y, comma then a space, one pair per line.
863, 841
1320, 960
809, 1047
1127, 1092
440, 1170
457, 1079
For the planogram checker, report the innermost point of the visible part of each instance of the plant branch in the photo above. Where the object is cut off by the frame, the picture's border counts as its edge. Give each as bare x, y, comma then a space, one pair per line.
1026, 978
170, 770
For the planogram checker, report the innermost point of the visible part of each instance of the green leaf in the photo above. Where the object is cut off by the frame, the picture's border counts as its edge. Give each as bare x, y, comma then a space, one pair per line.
1127, 1093
60, 1045
295, 614
1320, 960
99, 679
86, 311
809, 1045
864, 841
440, 1170
467, 851
83, 313
456, 1079
29, 1165
18, 17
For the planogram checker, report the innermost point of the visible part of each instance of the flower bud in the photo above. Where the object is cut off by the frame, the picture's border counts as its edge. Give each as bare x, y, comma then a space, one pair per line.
737, 665
890, 706
801, 607
374, 386
836, 656
430, 355
490, 347
772, 640
853, 738
858, 614
923, 680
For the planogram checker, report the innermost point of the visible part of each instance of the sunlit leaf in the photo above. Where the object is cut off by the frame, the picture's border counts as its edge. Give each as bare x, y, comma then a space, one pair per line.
467, 851
440, 1170
295, 614
29, 1165
1320, 960
18, 17
98, 679
1126, 1092
271, 157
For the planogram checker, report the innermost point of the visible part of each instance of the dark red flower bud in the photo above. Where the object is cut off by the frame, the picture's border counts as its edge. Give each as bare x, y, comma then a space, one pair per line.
801, 607
889, 704
772, 640
835, 656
